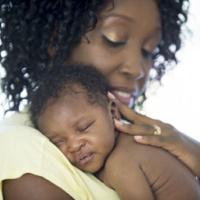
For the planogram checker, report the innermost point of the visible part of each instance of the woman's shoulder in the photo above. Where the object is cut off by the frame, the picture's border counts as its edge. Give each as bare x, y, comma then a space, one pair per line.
16, 118
24, 149
21, 146
17, 133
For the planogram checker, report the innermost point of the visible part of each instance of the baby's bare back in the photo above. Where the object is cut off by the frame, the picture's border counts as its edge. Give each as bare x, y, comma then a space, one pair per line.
142, 172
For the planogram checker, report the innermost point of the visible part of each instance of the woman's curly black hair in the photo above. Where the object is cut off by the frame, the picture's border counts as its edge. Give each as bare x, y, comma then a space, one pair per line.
29, 27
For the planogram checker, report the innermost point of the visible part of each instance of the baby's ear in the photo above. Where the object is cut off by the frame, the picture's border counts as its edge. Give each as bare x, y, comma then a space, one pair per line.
114, 110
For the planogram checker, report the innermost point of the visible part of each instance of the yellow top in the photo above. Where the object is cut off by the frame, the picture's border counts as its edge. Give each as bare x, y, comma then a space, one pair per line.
23, 150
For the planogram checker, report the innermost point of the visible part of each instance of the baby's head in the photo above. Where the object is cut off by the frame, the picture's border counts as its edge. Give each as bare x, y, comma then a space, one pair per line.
71, 108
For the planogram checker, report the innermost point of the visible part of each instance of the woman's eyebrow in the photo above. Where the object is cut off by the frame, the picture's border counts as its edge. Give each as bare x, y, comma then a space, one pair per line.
112, 15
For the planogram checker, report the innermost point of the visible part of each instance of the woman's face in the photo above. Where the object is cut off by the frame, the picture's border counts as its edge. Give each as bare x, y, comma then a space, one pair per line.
121, 45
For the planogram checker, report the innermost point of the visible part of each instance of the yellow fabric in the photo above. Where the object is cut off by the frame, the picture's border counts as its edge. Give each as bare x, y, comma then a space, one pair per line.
25, 150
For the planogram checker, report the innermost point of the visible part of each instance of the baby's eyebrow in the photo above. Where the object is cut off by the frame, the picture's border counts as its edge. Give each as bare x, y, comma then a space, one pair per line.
79, 120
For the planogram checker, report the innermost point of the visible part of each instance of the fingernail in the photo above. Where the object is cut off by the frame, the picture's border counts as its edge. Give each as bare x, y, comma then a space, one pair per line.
123, 121
138, 137
117, 122
111, 96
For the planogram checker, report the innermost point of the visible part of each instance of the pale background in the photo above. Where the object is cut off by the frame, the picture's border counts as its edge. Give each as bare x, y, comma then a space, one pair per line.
177, 100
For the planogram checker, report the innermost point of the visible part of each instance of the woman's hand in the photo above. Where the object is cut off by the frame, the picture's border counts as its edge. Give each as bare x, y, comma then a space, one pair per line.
154, 132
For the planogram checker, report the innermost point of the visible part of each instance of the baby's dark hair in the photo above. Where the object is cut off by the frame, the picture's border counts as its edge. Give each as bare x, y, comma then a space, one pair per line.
29, 27
69, 80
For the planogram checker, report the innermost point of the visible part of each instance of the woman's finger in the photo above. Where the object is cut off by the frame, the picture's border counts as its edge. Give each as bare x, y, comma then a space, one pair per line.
129, 114
154, 141
169, 139
136, 129
133, 116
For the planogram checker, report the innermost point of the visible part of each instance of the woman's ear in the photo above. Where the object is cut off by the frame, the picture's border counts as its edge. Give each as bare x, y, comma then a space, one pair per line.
114, 110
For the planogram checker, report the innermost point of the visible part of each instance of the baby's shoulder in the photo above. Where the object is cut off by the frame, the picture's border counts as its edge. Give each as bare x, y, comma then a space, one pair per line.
124, 152
162, 171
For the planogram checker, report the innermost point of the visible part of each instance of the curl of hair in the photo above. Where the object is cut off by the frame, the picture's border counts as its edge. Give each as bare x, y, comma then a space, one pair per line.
173, 15
28, 28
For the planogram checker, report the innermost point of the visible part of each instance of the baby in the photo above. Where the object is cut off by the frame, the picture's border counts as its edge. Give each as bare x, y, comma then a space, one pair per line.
72, 109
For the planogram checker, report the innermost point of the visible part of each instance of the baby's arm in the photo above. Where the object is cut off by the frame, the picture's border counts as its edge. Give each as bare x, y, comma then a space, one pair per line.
127, 179
125, 176
144, 172
167, 176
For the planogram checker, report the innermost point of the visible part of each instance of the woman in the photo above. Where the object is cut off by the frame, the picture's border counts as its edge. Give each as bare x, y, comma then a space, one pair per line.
123, 38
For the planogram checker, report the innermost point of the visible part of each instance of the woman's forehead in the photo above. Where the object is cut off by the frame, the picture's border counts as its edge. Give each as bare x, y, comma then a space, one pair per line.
138, 11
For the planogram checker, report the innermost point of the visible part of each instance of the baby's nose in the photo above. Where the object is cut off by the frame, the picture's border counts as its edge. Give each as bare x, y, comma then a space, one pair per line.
75, 145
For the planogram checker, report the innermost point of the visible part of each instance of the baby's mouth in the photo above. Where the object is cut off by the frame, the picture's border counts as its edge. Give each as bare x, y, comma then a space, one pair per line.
84, 158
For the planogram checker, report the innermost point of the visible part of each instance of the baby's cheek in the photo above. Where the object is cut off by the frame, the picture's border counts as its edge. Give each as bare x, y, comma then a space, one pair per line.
68, 155
109, 145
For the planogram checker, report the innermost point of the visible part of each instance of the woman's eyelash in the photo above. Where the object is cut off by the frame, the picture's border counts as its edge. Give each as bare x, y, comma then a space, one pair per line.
113, 44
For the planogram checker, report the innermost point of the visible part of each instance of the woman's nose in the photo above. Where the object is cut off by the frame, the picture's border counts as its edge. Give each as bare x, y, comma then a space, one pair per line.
133, 66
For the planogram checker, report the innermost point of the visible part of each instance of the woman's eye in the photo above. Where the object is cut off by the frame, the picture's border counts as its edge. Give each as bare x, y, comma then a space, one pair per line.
113, 44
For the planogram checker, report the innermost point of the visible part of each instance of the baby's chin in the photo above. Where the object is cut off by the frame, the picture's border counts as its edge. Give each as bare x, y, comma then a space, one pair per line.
91, 170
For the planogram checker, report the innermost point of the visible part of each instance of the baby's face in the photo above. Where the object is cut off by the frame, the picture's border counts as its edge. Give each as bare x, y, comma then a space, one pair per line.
83, 132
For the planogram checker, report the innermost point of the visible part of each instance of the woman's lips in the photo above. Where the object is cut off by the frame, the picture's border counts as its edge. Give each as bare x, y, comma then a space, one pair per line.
124, 97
